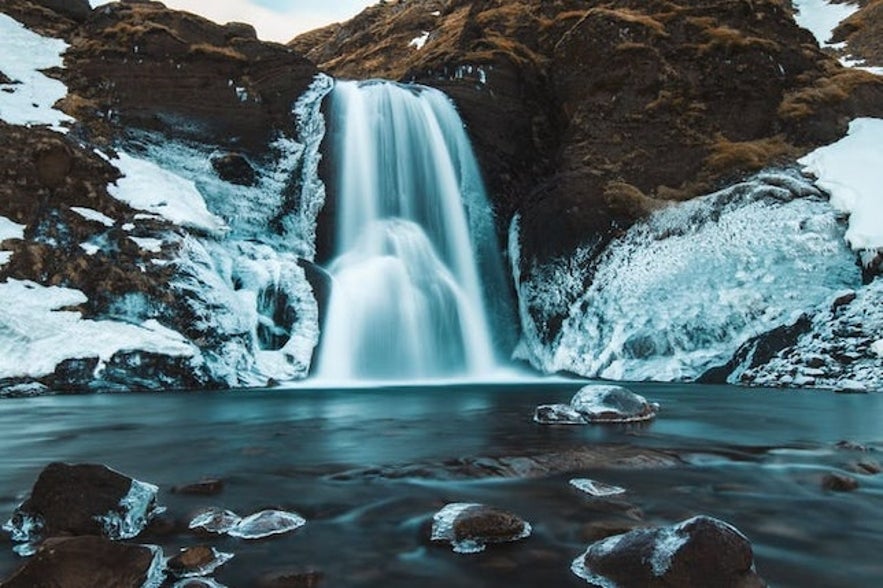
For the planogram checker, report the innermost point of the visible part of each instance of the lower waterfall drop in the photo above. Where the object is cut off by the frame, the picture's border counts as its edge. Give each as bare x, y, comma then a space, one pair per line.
407, 300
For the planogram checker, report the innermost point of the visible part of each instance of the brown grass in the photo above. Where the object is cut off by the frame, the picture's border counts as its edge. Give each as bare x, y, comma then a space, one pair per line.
747, 155
630, 17
824, 92
207, 50
724, 37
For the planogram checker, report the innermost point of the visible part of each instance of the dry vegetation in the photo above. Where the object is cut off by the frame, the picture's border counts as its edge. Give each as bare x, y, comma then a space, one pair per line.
729, 155
825, 92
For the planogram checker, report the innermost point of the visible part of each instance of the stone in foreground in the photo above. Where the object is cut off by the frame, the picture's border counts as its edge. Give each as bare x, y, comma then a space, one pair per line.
83, 499
88, 562
199, 560
598, 404
469, 527
695, 553
256, 526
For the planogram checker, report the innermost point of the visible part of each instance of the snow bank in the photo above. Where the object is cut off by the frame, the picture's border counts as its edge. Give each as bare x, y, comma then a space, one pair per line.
821, 17
147, 186
30, 98
36, 334
9, 230
94, 215
851, 170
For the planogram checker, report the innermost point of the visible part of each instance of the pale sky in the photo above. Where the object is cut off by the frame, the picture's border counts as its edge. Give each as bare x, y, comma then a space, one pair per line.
274, 20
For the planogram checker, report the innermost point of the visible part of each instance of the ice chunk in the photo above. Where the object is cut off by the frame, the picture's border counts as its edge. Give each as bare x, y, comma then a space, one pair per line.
148, 244
558, 414
266, 523
595, 488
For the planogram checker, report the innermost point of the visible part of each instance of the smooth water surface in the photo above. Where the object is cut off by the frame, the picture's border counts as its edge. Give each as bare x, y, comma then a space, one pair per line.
752, 458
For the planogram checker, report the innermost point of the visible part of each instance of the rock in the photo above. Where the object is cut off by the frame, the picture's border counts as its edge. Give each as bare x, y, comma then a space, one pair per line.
197, 583
242, 30
470, 527
204, 487
200, 560
77, 10
88, 562
598, 404
695, 553
214, 520
869, 467
83, 499
558, 414
594, 488
839, 483
235, 168
612, 404
291, 579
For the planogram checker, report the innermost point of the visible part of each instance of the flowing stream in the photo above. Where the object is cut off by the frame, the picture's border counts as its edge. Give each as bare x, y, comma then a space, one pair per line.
414, 241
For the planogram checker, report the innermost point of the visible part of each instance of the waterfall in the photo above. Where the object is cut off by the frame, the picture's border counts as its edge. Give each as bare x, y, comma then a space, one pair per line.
414, 239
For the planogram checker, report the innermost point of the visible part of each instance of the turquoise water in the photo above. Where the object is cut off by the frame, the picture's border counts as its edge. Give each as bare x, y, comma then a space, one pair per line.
753, 458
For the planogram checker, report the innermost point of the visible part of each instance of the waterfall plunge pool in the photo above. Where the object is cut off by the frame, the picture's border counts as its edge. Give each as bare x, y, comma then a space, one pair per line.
369, 467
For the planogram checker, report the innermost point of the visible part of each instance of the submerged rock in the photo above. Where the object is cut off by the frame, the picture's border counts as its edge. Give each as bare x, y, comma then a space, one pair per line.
470, 527
204, 487
598, 404
291, 579
695, 553
82, 499
839, 483
87, 562
200, 560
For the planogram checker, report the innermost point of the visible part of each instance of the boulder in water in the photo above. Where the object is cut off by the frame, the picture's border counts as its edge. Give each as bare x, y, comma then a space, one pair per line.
470, 527
598, 404
698, 552
199, 560
86, 562
82, 499
256, 526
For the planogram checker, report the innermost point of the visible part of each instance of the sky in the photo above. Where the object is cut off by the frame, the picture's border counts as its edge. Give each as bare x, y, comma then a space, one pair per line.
274, 20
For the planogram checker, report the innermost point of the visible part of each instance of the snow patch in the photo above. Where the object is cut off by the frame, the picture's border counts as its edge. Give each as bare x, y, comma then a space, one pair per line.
36, 333
148, 244
30, 99
851, 171
94, 215
147, 186
9, 230
669, 541
418, 42
821, 17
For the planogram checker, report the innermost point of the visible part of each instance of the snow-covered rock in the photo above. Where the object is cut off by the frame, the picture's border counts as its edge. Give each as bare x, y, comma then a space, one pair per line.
469, 527
598, 404
595, 488
259, 525
695, 553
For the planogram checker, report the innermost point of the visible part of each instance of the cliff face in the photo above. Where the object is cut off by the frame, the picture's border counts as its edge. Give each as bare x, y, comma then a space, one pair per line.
586, 116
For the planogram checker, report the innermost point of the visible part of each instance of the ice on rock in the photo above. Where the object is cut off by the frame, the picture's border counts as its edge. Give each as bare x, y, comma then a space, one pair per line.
197, 561
595, 488
136, 509
156, 573
419, 42
680, 292
256, 526
612, 404
558, 414
215, 520
198, 583
266, 523
26, 530
94, 215
444, 527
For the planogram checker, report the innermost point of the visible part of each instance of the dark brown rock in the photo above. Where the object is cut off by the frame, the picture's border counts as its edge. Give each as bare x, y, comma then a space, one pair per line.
199, 560
77, 10
72, 499
839, 483
699, 552
487, 524
234, 168
85, 562
867, 467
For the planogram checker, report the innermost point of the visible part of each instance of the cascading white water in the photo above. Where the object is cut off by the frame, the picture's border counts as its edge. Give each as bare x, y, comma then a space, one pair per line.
407, 301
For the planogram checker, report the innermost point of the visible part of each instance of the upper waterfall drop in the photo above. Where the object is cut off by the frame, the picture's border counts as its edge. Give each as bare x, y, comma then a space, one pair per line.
414, 238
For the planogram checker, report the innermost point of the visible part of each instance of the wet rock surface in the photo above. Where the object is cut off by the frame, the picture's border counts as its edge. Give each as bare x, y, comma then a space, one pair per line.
199, 560
701, 551
469, 528
598, 404
83, 499
88, 562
